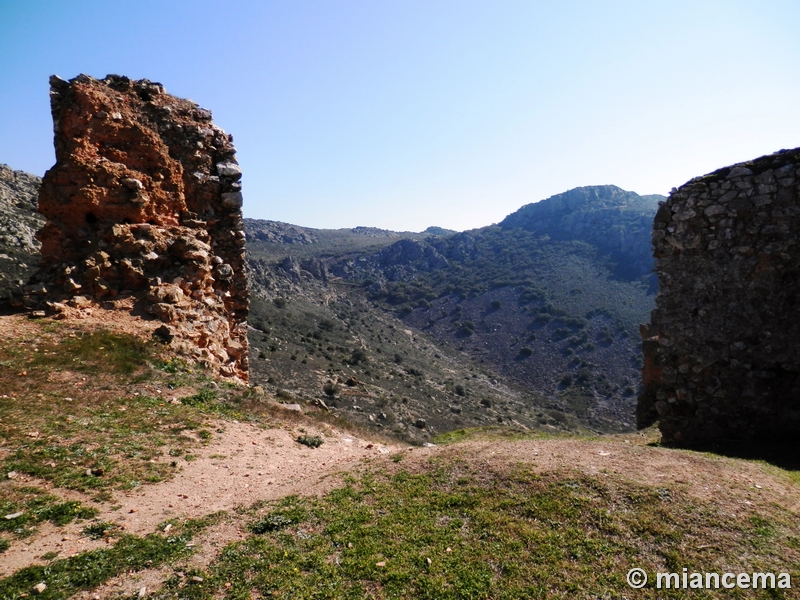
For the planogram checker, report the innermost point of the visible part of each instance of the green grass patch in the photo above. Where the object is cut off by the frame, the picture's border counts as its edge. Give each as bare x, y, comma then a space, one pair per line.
36, 507
97, 351
459, 532
289, 511
66, 577
100, 530
489, 432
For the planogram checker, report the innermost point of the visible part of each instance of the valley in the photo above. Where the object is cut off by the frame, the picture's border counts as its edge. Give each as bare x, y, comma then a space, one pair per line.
532, 323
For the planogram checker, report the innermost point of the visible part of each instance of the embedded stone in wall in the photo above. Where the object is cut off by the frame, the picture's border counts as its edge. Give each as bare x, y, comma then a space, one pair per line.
721, 351
144, 203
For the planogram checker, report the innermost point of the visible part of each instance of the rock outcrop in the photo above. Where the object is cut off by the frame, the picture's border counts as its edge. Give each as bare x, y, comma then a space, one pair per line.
721, 351
19, 222
613, 220
143, 209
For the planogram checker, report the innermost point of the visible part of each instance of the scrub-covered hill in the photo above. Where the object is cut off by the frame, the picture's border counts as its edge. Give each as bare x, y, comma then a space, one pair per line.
533, 321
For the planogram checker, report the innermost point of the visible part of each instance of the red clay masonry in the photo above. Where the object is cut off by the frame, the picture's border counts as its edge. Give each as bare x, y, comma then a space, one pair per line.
143, 210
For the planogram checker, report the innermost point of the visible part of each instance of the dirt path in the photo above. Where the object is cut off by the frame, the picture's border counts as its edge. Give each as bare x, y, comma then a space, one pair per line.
244, 464
240, 466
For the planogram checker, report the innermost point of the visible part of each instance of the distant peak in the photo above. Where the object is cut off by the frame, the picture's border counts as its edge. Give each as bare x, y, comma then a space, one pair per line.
581, 199
440, 231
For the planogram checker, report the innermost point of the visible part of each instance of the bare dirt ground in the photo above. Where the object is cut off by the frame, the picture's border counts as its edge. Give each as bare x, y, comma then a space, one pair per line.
241, 465
245, 464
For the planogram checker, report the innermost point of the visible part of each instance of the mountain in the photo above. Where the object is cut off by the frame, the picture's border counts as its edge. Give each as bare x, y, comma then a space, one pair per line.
616, 222
19, 222
532, 322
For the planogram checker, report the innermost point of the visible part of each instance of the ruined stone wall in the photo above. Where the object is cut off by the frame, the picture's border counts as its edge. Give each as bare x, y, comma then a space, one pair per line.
721, 351
143, 210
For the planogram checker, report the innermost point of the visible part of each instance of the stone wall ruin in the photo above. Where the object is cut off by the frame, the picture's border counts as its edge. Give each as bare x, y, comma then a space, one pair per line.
143, 210
721, 351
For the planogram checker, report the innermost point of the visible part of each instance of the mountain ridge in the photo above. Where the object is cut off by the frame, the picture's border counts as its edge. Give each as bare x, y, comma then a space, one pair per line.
528, 322
552, 311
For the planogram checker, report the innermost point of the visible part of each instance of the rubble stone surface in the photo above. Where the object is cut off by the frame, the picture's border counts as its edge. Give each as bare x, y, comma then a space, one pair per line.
721, 351
19, 222
144, 203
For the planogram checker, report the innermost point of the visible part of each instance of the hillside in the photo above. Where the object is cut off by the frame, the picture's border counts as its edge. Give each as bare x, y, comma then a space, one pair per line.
19, 221
532, 322
129, 474
616, 222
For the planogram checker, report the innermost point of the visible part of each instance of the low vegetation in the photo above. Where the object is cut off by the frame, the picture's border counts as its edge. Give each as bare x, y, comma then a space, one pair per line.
366, 367
67, 576
451, 530
458, 525
95, 411
516, 306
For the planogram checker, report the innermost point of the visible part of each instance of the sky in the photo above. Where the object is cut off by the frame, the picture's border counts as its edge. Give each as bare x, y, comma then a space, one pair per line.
403, 114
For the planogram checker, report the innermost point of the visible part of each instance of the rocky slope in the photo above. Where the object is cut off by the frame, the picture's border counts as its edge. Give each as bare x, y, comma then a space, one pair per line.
531, 323
19, 222
616, 222
544, 303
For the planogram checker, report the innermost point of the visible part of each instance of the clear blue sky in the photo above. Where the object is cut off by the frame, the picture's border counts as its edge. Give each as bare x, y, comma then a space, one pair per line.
403, 114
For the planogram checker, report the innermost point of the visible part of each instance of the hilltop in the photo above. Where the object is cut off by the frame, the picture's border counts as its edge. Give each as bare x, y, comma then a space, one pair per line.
129, 474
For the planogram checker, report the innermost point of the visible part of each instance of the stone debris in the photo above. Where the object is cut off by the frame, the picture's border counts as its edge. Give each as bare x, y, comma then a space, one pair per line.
143, 210
721, 351
19, 222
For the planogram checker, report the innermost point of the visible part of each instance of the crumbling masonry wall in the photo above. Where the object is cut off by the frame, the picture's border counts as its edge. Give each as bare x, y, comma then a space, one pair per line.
143, 210
721, 351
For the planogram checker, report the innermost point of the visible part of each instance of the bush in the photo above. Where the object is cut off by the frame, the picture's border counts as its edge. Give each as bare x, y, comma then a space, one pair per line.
282, 394
359, 355
270, 523
279, 302
312, 441
525, 352
326, 325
